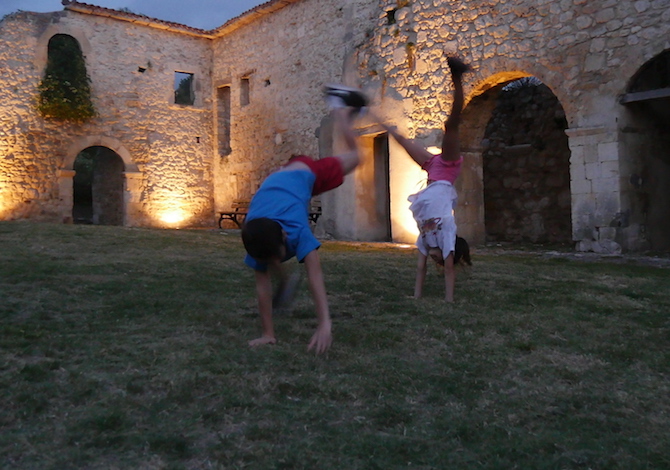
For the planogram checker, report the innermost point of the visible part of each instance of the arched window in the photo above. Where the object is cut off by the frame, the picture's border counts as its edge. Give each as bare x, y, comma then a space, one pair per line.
65, 90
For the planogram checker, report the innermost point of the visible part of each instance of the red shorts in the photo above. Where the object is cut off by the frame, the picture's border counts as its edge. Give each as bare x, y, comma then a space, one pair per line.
328, 171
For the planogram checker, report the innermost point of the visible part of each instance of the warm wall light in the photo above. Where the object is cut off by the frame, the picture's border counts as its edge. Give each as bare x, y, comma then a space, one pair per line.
170, 210
406, 178
172, 217
7, 203
434, 150
406, 221
403, 246
4, 209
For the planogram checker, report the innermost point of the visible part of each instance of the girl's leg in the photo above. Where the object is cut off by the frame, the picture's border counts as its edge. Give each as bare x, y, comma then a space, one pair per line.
450, 141
420, 275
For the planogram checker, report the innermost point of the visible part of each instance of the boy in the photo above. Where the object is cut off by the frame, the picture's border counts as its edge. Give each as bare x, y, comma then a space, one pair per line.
277, 227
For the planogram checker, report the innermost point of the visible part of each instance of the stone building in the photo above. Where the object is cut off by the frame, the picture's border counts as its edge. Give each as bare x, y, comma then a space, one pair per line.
579, 153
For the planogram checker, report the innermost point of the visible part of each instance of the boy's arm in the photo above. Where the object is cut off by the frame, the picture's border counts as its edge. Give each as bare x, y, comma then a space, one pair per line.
264, 295
420, 275
322, 338
344, 121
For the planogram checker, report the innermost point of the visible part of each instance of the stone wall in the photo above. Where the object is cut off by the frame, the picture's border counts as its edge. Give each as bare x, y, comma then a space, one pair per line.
287, 57
169, 145
585, 52
27, 175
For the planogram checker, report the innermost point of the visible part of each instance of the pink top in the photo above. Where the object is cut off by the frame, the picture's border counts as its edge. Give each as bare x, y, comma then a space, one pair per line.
441, 170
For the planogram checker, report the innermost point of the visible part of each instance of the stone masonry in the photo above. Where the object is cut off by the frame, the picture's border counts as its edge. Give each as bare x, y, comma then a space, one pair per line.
257, 85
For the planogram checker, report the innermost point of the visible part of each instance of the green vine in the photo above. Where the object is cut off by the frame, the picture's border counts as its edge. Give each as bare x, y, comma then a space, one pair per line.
65, 90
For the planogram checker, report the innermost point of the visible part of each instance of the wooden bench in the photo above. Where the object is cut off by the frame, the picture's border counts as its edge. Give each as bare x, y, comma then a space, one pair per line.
237, 215
314, 212
240, 209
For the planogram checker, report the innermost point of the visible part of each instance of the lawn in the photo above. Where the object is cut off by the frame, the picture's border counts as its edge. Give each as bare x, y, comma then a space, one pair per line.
125, 348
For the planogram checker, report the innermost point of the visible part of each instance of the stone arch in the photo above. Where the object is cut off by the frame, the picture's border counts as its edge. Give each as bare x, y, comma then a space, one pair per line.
41, 48
644, 221
98, 187
527, 178
132, 178
98, 141
636, 62
497, 73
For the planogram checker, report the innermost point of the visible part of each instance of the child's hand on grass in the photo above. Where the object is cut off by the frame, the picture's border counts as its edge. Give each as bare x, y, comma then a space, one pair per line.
262, 340
322, 339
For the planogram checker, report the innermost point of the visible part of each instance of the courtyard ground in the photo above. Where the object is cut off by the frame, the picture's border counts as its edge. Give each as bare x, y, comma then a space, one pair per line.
126, 348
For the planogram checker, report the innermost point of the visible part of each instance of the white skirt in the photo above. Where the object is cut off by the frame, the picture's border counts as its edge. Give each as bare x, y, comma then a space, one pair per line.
433, 210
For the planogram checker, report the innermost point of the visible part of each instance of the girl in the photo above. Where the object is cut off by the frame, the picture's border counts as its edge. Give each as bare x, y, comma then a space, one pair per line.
433, 206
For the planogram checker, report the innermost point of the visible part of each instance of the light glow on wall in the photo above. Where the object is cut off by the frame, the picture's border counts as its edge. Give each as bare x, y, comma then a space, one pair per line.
171, 211
173, 217
5, 203
414, 180
5, 195
407, 178
8, 201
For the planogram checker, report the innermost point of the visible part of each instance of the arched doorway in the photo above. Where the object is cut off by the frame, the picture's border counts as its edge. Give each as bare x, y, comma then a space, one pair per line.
98, 187
515, 185
646, 140
526, 166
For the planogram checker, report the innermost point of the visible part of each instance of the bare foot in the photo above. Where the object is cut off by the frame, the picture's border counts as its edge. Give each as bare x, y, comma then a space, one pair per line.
262, 340
457, 66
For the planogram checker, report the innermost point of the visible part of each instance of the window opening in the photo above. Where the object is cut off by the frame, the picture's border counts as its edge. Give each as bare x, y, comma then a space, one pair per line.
65, 90
183, 88
244, 91
390, 16
223, 119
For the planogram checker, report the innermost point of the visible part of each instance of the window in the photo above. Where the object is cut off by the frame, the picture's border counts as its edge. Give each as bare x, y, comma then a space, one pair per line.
244, 91
223, 119
184, 91
65, 90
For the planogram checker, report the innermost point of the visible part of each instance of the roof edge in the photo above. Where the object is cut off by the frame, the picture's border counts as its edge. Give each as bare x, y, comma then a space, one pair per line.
250, 16
228, 27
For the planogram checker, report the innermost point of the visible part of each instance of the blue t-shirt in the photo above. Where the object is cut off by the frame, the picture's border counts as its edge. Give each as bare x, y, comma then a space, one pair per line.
284, 197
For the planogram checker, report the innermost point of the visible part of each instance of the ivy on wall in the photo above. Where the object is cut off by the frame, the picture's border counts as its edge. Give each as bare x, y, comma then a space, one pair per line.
65, 90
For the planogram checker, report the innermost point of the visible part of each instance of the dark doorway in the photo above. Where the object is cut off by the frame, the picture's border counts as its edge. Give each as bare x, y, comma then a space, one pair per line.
98, 187
382, 186
373, 220
82, 209
647, 142
526, 167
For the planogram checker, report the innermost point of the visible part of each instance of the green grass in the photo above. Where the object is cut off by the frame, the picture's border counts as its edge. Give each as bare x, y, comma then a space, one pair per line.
126, 348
